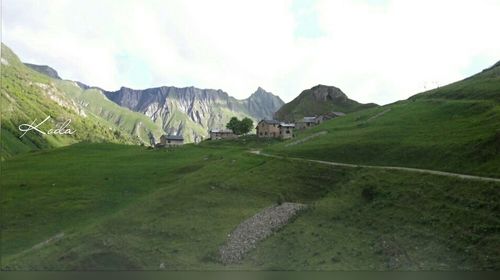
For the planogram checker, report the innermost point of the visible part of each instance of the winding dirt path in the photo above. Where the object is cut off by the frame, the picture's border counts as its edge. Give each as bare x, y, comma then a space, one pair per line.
409, 169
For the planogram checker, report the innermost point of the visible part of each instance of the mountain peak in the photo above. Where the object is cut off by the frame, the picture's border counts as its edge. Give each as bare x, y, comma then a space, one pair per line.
319, 99
260, 90
324, 92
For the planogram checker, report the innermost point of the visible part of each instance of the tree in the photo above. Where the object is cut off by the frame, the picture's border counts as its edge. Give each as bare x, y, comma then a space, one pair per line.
246, 125
233, 124
240, 127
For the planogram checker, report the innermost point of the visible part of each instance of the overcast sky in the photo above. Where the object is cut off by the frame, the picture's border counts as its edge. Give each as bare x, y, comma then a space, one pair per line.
375, 51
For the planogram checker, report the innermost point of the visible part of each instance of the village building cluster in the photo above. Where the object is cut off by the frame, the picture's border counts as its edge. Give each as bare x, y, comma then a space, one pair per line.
264, 129
283, 130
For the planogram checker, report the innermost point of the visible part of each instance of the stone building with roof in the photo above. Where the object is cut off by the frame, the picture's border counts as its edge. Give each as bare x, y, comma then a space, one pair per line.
274, 129
308, 122
170, 141
286, 130
268, 129
217, 134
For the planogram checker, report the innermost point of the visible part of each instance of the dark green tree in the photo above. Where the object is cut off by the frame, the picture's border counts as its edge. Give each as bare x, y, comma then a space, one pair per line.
246, 125
233, 124
240, 127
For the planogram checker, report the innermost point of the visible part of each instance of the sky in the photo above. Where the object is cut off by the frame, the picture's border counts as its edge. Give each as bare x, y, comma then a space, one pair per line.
375, 51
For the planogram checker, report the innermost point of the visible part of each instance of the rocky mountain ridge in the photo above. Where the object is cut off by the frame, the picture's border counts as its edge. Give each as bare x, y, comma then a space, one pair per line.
192, 111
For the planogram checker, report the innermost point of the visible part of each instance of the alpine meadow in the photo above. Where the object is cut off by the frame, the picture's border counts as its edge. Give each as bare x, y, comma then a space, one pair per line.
190, 178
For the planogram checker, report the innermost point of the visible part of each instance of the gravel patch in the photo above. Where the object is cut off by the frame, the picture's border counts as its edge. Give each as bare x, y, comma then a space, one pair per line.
247, 234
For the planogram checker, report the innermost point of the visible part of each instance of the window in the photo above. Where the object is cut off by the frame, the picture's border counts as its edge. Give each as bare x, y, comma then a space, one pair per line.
288, 132
266, 133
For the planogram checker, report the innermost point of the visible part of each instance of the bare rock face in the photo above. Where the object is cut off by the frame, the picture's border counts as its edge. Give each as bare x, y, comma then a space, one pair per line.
191, 111
262, 104
324, 93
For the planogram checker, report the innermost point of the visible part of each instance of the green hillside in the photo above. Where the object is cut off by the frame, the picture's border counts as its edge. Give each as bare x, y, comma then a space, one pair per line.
94, 102
136, 208
317, 101
27, 95
453, 128
482, 86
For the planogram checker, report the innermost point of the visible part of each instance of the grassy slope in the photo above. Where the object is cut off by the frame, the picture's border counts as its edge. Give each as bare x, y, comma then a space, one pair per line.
454, 128
27, 95
96, 103
23, 100
136, 209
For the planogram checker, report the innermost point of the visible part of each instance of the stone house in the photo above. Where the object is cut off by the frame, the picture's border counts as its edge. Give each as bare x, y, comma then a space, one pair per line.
171, 140
332, 115
268, 129
308, 122
216, 134
286, 130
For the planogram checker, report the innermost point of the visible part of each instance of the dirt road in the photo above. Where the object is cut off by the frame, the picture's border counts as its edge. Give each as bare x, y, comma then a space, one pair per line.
409, 169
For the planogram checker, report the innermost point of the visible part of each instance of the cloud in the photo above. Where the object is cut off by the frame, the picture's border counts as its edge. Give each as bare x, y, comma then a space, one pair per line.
375, 51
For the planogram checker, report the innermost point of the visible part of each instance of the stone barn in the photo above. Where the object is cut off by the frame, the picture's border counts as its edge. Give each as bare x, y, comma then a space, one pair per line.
171, 140
268, 129
286, 130
217, 134
308, 122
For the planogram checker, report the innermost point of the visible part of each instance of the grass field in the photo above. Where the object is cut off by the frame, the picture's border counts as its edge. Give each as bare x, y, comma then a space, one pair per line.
450, 135
127, 207
452, 128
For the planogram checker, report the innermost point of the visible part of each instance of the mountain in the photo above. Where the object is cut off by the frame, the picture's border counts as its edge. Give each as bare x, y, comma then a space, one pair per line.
31, 91
452, 128
319, 100
28, 95
44, 69
191, 111
262, 104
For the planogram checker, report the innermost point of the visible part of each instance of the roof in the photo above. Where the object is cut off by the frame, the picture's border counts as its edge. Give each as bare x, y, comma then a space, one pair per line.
292, 125
270, 121
339, 113
175, 137
308, 119
221, 131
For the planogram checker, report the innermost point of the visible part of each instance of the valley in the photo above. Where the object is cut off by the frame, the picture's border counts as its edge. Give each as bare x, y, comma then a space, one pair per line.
412, 185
